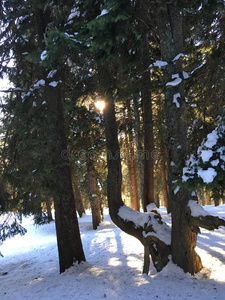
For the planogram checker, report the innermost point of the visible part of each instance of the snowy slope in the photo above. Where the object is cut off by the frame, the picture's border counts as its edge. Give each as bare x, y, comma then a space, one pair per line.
29, 269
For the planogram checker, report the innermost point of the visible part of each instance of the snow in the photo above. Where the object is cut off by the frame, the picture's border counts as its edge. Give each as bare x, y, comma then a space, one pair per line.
199, 67
128, 214
207, 175
51, 73
211, 139
176, 190
53, 83
178, 56
175, 97
29, 268
185, 75
39, 83
196, 209
206, 155
159, 63
150, 207
208, 152
174, 82
44, 54
103, 12
215, 162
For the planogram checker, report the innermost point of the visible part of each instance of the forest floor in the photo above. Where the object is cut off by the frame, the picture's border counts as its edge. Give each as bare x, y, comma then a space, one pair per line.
29, 268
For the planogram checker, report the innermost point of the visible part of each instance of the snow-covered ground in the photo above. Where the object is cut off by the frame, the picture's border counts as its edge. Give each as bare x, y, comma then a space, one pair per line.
29, 269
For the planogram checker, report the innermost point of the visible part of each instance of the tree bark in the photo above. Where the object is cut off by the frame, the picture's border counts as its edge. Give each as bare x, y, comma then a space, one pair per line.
76, 191
153, 245
169, 21
93, 194
67, 230
164, 179
140, 150
131, 165
148, 189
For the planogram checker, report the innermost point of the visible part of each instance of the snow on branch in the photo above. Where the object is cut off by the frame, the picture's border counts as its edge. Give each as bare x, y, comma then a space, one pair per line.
151, 223
177, 57
208, 164
196, 209
198, 217
10, 226
174, 82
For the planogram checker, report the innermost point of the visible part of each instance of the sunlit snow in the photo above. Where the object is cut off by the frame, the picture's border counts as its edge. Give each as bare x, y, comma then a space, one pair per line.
174, 82
29, 268
207, 175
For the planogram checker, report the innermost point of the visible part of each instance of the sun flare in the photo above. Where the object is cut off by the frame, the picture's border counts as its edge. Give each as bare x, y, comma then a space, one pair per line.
100, 105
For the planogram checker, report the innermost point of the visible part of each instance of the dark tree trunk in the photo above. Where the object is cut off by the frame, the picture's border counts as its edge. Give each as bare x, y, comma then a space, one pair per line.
148, 162
67, 230
216, 196
184, 240
76, 191
134, 201
148, 189
140, 150
164, 179
93, 194
131, 164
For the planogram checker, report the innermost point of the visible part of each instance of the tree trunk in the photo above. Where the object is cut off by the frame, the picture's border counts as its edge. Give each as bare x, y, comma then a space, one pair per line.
148, 162
140, 150
49, 209
152, 244
164, 179
67, 230
169, 19
131, 164
76, 191
148, 189
216, 196
93, 194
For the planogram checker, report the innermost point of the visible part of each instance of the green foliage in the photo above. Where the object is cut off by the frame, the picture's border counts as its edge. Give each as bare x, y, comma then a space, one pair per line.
9, 227
60, 45
210, 158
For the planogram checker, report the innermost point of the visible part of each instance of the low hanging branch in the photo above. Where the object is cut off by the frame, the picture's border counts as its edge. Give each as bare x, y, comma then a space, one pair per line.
9, 227
201, 219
